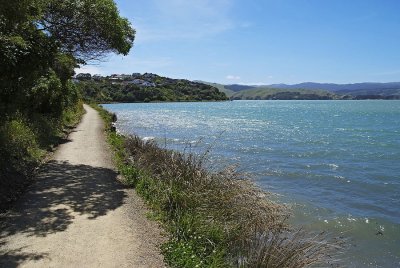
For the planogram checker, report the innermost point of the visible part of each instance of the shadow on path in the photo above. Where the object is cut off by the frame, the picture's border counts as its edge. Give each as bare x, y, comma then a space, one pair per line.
13, 258
61, 192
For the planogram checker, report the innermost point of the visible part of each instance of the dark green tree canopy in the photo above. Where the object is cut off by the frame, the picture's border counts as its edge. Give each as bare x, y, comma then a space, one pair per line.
87, 29
42, 41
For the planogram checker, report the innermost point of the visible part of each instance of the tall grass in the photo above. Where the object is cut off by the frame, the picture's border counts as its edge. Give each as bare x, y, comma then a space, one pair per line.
215, 219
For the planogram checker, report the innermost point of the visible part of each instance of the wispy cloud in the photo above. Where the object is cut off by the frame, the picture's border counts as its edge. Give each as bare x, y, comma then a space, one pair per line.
246, 24
92, 69
182, 19
233, 77
152, 63
386, 73
254, 83
128, 65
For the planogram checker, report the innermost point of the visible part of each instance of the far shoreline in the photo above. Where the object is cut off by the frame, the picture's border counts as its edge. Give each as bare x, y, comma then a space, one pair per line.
223, 101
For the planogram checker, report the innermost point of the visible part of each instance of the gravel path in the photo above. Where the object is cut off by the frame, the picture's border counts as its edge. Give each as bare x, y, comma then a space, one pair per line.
77, 214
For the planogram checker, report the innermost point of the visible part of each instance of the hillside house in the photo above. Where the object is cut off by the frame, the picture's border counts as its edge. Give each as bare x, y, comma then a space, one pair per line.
142, 83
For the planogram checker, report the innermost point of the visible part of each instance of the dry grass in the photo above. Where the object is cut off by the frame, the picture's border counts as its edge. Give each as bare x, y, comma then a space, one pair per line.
235, 219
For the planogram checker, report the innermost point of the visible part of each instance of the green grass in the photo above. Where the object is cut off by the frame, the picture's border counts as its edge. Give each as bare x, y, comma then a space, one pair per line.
214, 219
24, 142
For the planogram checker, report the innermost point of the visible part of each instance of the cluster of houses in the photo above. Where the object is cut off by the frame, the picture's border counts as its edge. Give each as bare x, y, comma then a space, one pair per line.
145, 80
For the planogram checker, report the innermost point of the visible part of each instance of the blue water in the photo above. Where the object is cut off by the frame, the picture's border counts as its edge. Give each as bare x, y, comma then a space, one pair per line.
336, 162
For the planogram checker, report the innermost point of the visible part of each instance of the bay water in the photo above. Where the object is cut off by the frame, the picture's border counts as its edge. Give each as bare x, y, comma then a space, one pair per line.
337, 163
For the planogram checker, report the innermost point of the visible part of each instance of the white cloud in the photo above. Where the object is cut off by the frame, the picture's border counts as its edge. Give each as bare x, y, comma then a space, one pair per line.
92, 69
253, 83
126, 65
182, 19
233, 77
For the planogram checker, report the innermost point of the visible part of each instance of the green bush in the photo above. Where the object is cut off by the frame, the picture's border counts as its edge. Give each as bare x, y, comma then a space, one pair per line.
19, 146
45, 96
19, 154
72, 115
24, 141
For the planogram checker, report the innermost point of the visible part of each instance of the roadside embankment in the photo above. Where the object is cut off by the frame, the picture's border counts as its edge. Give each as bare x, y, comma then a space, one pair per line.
25, 141
215, 219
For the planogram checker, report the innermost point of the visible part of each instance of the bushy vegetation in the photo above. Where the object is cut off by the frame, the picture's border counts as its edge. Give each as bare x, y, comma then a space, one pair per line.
41, 42
215, 219
163, 89
24, 141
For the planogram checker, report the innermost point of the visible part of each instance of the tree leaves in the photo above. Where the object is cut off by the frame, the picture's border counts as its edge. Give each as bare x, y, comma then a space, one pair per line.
88, 29
42, 41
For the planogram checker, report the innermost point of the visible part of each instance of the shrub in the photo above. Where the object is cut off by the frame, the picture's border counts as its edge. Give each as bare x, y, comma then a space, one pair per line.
18, 144
24, 141
19, 154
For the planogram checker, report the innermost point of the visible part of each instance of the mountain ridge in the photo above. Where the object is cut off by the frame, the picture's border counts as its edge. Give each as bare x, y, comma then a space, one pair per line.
339, 87
363, 90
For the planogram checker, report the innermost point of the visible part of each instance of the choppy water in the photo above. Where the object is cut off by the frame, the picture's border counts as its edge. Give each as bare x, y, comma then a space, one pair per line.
338, 162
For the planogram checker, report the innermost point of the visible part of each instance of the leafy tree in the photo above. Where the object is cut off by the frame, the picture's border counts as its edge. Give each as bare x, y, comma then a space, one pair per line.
87, 29
42, 41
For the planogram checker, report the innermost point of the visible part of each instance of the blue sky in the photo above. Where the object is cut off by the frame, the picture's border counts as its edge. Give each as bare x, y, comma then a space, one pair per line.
262, 41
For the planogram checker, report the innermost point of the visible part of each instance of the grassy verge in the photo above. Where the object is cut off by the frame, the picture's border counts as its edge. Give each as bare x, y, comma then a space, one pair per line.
25, 140
214, 219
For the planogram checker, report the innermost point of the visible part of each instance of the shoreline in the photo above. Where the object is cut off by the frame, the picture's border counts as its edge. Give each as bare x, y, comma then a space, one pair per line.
223, 101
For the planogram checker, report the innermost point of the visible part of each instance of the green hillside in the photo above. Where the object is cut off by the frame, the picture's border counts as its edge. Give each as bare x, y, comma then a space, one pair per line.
266, 93
147, 88
312, 91
222, 88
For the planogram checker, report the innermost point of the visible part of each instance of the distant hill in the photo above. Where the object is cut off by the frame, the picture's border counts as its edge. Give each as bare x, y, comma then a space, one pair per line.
385, 89
222, 88
266, 93
248, 92
236, 88
311, 90
145, 88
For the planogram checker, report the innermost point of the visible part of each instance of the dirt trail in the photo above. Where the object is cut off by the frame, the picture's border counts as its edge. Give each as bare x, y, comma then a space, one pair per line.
77, 214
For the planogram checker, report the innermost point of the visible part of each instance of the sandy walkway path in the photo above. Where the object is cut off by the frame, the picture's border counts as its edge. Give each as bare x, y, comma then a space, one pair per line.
77, 215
